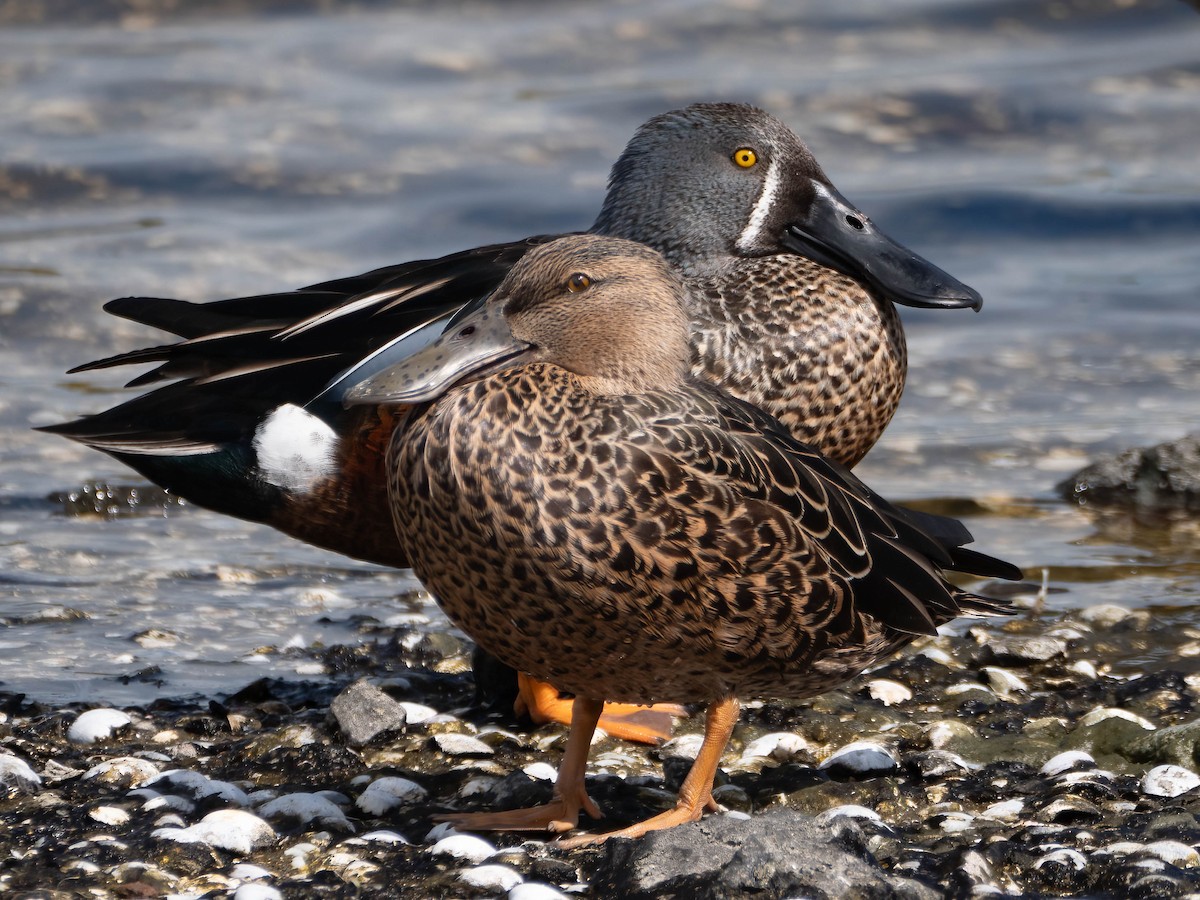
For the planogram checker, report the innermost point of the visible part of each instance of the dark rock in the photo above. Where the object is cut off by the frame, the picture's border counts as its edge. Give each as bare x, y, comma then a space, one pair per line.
777, 854
364, 713
1166, 475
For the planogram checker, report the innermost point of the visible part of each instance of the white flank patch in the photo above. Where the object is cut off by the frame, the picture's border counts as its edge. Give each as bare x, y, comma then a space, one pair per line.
295, 449
759, 216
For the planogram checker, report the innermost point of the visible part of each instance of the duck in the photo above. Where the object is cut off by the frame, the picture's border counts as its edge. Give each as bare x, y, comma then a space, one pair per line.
792, 295
593, 513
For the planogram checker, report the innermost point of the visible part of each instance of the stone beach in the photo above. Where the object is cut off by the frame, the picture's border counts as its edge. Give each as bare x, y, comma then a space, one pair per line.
1030, 756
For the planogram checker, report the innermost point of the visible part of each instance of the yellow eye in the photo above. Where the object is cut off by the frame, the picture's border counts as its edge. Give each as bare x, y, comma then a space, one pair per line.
578, 283
745, 157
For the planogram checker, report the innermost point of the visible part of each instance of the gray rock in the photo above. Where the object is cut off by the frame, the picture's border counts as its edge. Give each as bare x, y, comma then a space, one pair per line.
781, 853
1166, 475
364, 712
1179, 744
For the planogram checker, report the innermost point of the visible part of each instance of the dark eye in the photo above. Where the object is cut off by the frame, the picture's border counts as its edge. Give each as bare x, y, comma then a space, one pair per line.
467, 332
578, 283
855, 222
745, 157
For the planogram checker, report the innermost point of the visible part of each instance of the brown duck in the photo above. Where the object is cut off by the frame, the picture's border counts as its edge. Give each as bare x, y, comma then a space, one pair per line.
791, 293
592, 513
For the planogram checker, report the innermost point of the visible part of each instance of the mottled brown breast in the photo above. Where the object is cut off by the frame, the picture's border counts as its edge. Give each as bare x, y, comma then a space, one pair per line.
624, 548
805, 343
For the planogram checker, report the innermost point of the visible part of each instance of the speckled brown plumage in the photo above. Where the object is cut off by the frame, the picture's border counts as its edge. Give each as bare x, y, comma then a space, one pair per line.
594, 515
808, 344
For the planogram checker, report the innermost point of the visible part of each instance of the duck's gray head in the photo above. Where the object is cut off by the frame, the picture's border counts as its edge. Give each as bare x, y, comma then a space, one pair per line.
609, 310
719, 180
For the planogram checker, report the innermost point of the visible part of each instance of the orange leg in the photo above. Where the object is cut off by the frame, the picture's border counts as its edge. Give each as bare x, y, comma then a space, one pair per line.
570, 795
696, 794
643, 724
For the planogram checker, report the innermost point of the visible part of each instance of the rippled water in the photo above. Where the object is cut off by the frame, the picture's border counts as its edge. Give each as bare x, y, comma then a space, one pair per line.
1045, 152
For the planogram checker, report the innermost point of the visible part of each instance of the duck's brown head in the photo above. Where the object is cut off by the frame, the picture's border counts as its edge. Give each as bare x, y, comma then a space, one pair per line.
607, 309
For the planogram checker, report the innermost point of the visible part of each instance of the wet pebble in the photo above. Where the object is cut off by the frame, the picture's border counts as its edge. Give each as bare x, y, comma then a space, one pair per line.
1104, 615
861, 759
1027, 649
780, 745
1068, 760
1169, 781
1099, 714
97, 725
455, 744
18, 776
1004, 682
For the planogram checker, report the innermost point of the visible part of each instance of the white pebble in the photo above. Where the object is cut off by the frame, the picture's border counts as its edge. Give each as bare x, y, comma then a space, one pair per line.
307, 809
439, 831
541, 771
1070, 759
1004, 682
532, 890
1066, 856
249, 872
969, 687
779, 745
1084, 668
198, 786
463, 846
1004, 811
1109, 712
97, 725
16, 774
173, 802
491, 878
381, 836
1104, 615
955, 822
254, 891
123, 769
888, 692
849, 811
229, 829
862, 758
109, 815
940, 734
416, 713
453, 744
1169, 781
940, 656
685, 746
477, 786
389, 792
1174, 852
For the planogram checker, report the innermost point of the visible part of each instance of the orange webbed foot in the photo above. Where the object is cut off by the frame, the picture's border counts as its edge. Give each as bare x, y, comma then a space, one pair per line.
559, 815
641, 724
695, 795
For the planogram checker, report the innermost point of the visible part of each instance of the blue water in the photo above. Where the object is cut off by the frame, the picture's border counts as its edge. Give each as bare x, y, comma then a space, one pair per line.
1044, 152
